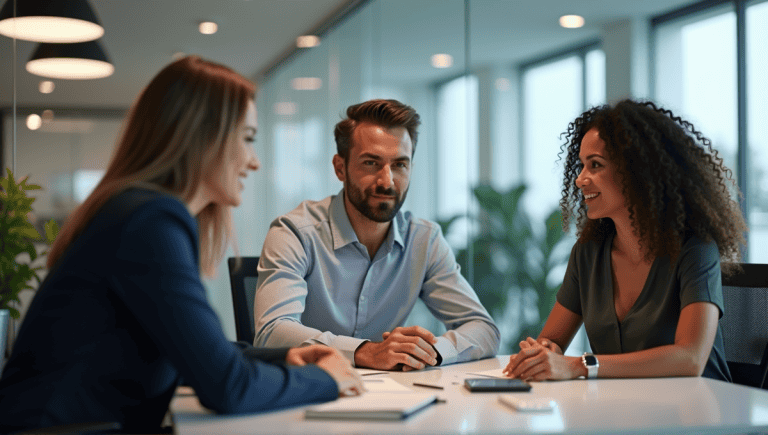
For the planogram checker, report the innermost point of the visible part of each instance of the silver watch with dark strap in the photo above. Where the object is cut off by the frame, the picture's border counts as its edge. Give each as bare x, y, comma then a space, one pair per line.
591, 364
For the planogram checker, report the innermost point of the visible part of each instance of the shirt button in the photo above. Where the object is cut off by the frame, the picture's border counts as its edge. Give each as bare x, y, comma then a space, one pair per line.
362, 298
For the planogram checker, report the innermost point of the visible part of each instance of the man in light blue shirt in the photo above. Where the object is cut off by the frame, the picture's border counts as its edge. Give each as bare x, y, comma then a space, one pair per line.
346, 271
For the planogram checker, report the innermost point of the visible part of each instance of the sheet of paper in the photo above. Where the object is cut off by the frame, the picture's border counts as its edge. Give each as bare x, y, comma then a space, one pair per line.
383, 384
495, 373
370, 372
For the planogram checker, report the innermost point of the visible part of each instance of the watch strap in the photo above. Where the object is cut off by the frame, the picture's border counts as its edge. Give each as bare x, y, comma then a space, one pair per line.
591, 364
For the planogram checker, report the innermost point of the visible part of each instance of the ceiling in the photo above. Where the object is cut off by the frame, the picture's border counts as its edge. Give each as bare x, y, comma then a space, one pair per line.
142, 36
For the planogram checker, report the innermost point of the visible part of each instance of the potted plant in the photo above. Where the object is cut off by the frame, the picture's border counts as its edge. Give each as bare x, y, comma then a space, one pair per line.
512, 261
17, 238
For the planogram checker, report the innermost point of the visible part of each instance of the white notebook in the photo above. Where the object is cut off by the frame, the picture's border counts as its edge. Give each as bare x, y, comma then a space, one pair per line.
372, 406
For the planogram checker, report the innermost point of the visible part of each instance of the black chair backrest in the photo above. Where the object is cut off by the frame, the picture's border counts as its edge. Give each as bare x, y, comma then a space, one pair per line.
243, 280
745, 325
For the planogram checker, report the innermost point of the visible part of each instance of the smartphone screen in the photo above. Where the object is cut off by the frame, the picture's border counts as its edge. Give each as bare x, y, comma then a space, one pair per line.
496, 384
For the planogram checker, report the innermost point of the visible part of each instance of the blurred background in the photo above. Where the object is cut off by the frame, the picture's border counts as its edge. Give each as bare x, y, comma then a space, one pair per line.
495, 82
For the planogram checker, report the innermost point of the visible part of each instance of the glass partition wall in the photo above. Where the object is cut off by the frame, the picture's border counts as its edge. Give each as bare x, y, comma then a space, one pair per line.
492, 112
489, 120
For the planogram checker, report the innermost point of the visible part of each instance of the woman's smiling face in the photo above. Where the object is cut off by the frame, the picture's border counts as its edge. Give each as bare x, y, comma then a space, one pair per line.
224, 181
598, 180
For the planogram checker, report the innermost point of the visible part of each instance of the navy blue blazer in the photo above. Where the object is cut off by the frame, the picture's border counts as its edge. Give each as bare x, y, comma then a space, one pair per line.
122, 316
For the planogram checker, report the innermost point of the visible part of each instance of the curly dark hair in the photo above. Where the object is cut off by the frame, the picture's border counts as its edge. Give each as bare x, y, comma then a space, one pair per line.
674, 183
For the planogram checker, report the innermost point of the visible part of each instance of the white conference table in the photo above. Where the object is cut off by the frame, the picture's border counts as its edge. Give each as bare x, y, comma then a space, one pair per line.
600, 406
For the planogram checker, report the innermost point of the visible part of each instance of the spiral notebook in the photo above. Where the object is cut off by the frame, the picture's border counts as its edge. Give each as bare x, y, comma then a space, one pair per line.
373, 406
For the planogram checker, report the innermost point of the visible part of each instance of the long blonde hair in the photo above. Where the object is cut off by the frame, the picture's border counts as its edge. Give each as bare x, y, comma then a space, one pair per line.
181, 123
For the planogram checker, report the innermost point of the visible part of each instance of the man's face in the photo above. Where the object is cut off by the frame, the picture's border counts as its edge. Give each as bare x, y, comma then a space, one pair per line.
377, 174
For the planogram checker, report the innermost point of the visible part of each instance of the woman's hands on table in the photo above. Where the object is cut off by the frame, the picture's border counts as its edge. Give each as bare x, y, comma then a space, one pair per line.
333, 362
542, 360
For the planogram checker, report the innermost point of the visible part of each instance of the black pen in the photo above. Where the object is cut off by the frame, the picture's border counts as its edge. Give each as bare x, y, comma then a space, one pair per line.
420, 384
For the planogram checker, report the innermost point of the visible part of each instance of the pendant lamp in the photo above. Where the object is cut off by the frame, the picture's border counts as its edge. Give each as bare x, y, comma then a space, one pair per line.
60, 21
78, 61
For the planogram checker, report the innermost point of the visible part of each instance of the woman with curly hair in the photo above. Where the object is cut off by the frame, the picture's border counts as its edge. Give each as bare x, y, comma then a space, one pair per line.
654, 217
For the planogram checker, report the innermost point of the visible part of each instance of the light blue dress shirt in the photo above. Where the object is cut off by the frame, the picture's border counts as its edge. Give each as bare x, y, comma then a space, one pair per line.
317, 284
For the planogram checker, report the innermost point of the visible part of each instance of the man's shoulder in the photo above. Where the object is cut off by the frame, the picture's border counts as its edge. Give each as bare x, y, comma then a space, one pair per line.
408, 223
309, 213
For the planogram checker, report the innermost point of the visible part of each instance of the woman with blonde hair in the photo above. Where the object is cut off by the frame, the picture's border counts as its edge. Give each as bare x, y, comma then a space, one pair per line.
657, 226
122, 314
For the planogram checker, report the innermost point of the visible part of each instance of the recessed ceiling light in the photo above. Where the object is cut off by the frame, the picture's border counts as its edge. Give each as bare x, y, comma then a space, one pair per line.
307, 41
571, 21
46, 87
306, 83
442, 60
208, 27
47, 115
34, 121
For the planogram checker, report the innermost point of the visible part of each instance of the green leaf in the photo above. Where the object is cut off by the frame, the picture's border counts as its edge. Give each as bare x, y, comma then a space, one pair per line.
27, 231
488, 198
51, 231
14, 312
554, 229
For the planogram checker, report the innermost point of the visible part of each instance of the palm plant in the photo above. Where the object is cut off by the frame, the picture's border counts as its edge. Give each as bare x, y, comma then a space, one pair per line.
512, 261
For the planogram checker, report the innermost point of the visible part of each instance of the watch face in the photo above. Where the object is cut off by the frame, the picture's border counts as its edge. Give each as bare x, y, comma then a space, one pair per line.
590, 360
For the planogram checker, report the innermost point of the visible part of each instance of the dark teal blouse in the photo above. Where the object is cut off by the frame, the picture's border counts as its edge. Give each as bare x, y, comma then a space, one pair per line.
694, 276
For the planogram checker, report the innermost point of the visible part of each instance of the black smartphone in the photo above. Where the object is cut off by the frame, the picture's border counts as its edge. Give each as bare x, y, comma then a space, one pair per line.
496, 384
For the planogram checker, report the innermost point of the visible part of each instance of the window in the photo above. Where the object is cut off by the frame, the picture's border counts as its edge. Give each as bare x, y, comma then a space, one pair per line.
696, 76
696, 73
757, 130
457, 112
552, 97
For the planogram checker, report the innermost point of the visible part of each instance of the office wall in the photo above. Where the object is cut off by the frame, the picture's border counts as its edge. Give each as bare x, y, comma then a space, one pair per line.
359, 59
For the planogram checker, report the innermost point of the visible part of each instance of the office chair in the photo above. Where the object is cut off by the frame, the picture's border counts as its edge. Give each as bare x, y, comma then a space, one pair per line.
243, 281
745, 325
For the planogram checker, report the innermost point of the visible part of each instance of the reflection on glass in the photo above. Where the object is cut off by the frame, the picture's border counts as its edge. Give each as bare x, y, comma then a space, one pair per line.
547, 422
66, 156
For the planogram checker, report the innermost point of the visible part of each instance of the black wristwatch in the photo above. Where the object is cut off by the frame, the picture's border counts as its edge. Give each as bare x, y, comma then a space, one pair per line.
591, 364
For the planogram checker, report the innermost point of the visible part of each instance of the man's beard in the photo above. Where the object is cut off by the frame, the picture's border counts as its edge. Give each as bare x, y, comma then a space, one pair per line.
383, 212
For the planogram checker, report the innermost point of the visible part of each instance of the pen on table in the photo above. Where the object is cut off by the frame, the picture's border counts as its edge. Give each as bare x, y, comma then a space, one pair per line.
421, 384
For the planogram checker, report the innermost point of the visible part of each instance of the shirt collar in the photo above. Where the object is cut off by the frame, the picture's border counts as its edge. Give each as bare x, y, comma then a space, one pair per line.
344, 234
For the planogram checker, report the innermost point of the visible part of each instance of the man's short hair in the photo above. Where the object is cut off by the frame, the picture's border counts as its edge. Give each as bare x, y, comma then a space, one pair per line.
384, 113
